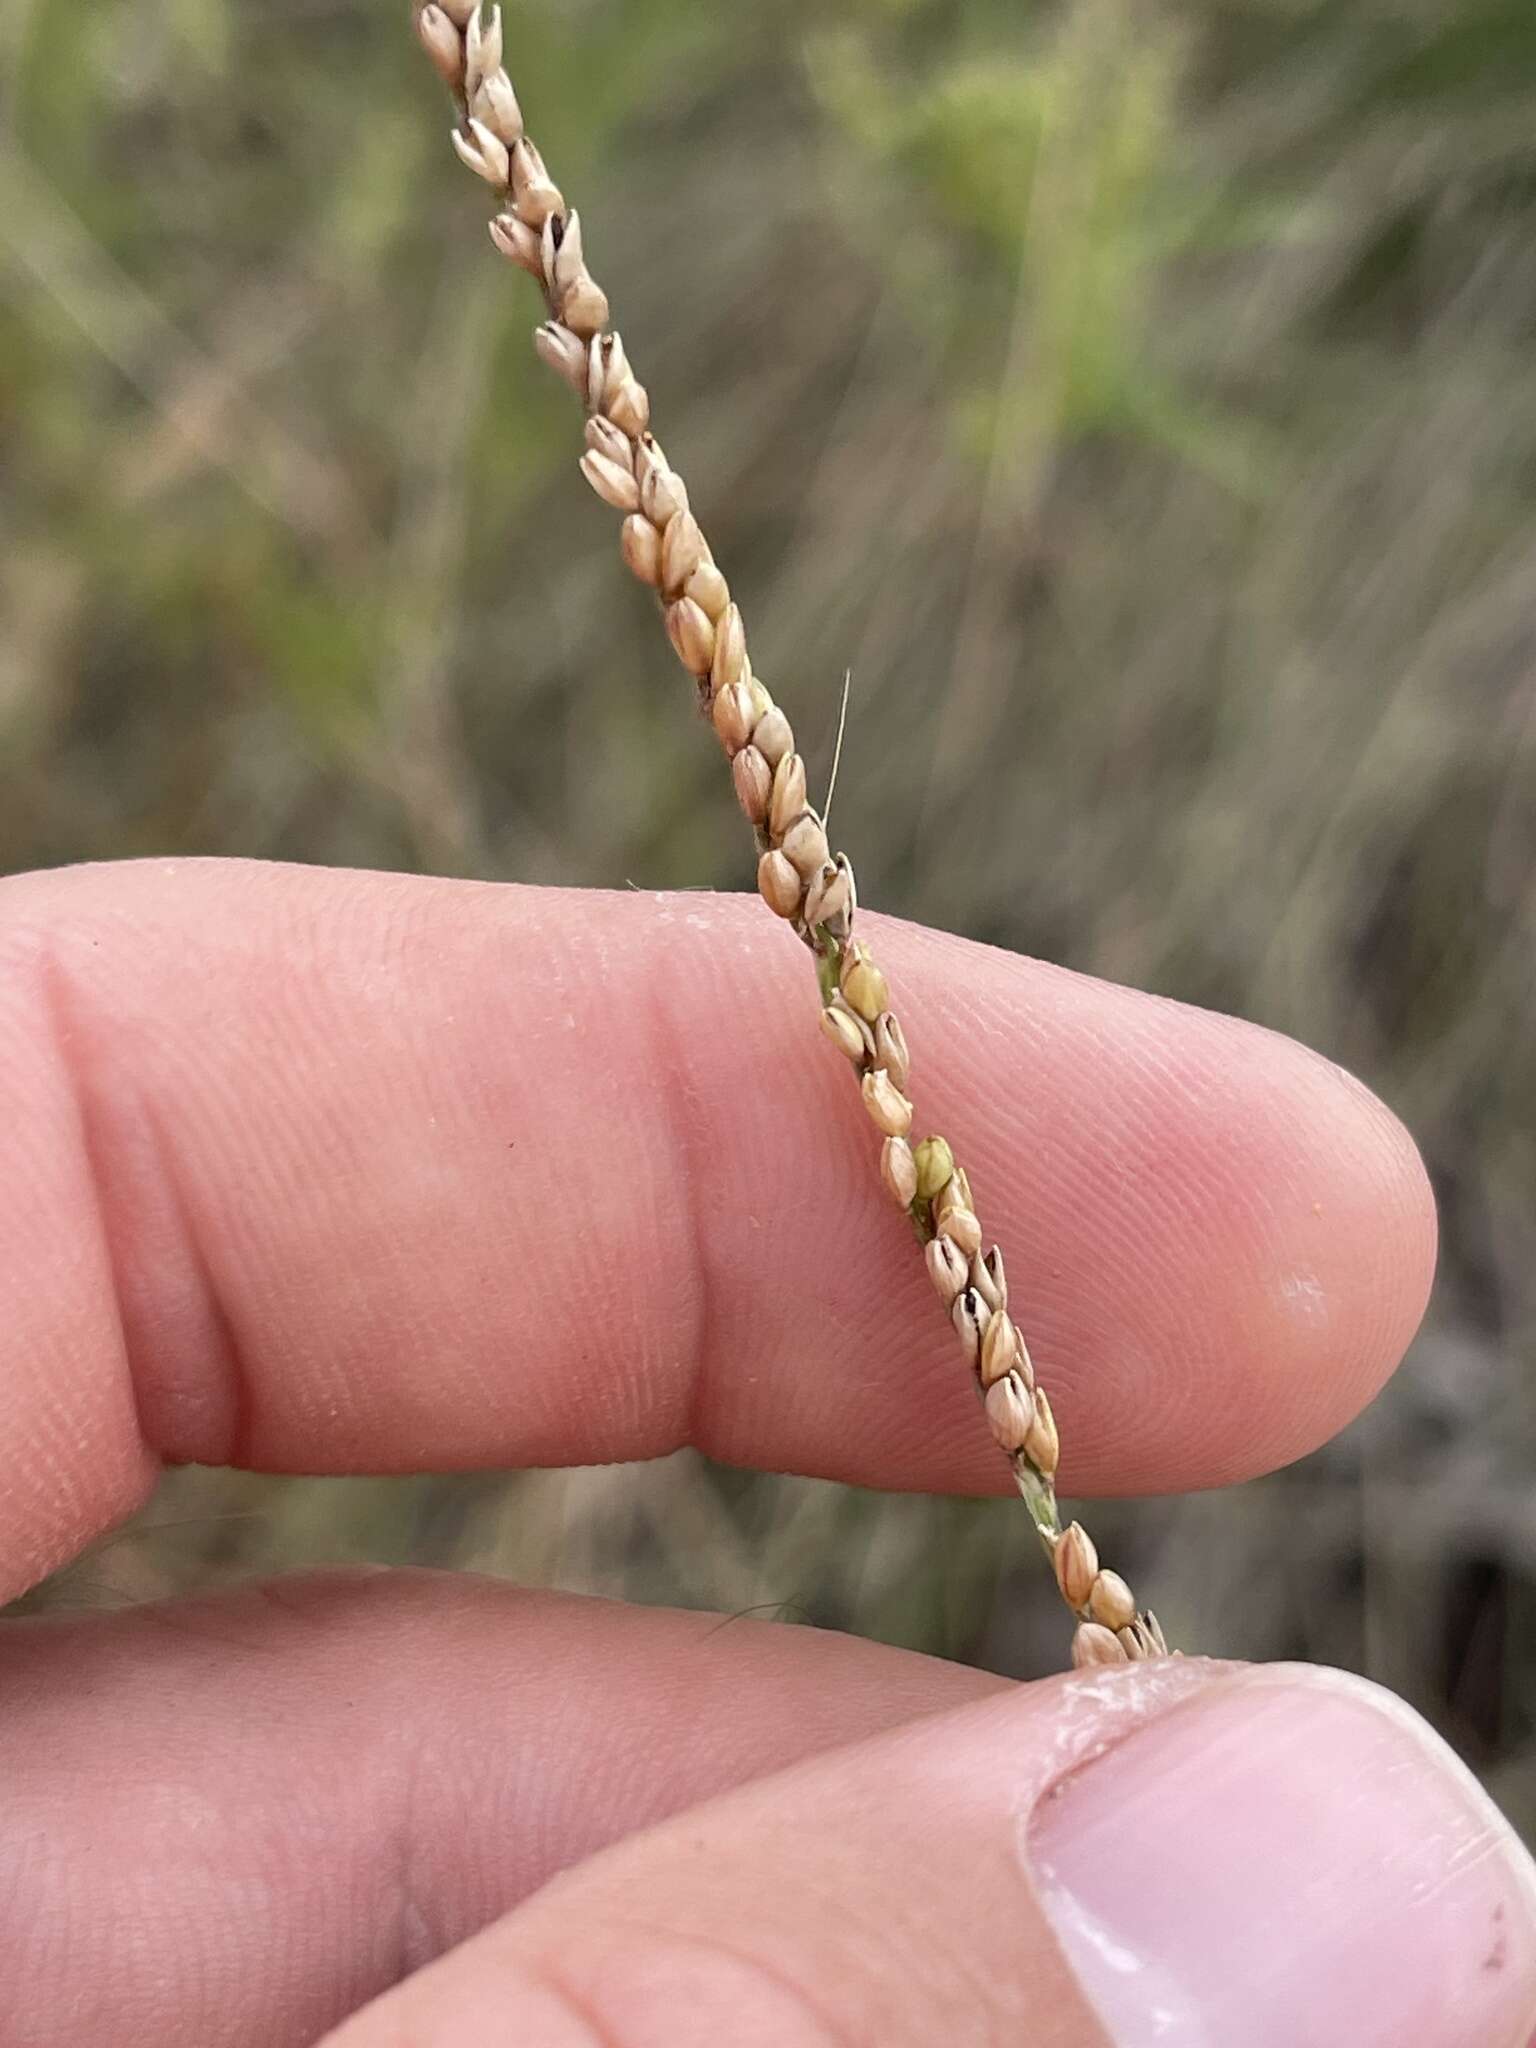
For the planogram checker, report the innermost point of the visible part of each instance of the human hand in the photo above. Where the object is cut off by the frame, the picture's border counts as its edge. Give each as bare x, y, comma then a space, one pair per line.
315, 1171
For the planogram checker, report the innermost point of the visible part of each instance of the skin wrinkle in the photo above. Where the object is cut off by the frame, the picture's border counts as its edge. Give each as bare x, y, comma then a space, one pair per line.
336, 1376
790, 1074
617, 1355
416, 927
548, 1978
404, 1817
302, 939
719, 1180
37, 956
416, 1942
660, 1945
78, 1034
314, 932
668, 1035
234, 1423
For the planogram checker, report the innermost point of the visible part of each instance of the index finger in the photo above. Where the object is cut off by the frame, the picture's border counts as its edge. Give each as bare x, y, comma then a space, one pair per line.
320, 1171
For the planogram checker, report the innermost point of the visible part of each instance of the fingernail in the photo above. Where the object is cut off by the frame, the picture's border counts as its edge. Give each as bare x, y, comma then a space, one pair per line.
1291, 1857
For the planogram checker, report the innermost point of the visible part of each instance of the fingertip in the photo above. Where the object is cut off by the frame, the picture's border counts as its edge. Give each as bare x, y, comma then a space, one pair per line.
1299, 1829
1220, 1241
1334, 1243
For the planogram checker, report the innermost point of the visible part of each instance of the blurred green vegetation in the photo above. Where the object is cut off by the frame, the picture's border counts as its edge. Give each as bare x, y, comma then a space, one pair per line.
1139, 398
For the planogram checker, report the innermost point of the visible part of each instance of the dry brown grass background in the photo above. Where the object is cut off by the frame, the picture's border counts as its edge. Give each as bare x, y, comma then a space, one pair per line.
1140, 400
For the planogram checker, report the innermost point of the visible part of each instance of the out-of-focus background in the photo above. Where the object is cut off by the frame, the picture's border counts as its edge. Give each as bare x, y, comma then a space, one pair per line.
1139, 398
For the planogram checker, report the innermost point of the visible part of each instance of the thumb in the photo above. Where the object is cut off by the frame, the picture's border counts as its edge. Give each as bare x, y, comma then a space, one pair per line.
1176, 1852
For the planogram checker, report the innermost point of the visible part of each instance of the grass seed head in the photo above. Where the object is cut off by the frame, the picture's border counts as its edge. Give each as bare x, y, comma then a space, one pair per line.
778, 884
805, 843
889, 1109
863, 983
691, 634
563, 352
710, 592
772, 735
730, 660
517, 242
753, 781
964, 1228
615, 486
535, 195
935, 1164
663, 494
665, 548
999, 1347
946, 1269
891, 1047
495, 104
986, 1282
1077, 1564
829, 901
1111, 1601
898, 1172
584, 308
970, 1316
640, 544
1093, 1644
1044, 1446
843, 1030
443, 44
682, 550
788, 794
1010, 1411
731, 715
